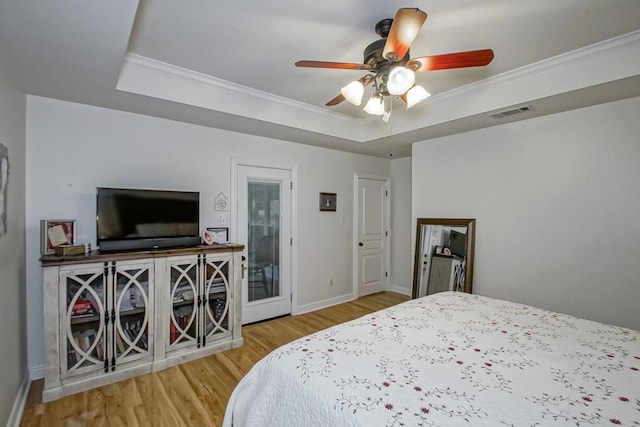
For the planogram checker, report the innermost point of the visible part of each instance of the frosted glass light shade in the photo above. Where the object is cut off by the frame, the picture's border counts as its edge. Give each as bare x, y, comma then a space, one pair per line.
353, 92
400, 80
375, 106
416, 95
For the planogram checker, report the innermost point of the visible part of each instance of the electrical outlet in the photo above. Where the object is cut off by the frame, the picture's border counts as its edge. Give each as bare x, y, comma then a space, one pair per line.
224, 219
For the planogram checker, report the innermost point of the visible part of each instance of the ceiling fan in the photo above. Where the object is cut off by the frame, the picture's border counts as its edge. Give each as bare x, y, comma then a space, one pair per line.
390, 68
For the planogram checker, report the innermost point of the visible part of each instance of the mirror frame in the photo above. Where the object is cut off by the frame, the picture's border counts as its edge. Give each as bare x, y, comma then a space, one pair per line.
471, 240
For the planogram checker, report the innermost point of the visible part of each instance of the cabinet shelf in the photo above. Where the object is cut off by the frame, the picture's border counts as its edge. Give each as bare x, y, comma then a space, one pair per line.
84, 318
182, 303
133, 311
87, 318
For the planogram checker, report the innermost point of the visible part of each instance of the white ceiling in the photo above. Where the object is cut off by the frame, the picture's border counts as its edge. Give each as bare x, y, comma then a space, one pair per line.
230, 64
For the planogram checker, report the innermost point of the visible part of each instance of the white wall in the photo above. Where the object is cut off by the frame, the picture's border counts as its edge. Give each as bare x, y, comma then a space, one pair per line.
74, 148
557, 202
13, 366
401, 261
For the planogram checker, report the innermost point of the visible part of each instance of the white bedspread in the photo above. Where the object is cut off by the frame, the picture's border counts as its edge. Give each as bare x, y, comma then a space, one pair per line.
448, 359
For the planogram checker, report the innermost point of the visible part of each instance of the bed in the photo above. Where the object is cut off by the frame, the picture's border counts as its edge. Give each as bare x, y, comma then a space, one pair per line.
448, 359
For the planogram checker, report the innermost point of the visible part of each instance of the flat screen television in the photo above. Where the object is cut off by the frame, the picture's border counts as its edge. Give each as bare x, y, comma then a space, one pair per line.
457, 243
130, 219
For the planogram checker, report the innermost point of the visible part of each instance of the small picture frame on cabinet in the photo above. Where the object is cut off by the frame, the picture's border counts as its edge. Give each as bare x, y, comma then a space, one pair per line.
219, 235
56, 232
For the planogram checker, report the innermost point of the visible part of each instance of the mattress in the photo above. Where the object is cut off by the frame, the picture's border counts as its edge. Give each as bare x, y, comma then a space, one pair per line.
448, 359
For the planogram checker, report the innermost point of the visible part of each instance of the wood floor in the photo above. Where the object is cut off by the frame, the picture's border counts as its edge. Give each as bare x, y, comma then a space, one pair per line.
194, 393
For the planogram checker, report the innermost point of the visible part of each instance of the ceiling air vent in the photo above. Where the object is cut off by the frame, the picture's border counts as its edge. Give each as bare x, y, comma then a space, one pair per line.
511, 112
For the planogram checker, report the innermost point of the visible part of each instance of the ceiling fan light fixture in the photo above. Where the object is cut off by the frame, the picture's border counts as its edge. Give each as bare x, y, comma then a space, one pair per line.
353, 92
415, 95
375, 105
400, 80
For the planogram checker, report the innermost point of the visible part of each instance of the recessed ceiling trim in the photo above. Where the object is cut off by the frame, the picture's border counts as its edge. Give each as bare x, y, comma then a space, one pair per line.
571, 71
225, 84
586, 53
149, 77
575, 70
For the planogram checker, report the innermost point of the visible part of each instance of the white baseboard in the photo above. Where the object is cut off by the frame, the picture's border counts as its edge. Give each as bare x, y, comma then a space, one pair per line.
21, 399
306, 308
36, 372
400, 290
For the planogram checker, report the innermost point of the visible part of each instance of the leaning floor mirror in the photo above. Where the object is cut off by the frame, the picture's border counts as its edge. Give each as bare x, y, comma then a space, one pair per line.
444, 256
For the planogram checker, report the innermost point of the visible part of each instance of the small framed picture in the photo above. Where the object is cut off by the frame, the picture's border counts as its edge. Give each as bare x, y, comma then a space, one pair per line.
219, 234
56, 232
328, 202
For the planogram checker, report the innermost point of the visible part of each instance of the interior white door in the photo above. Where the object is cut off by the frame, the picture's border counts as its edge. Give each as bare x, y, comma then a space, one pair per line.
264, 227
372, 235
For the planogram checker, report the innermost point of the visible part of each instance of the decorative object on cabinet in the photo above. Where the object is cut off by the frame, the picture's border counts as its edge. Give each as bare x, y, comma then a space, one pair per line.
444, 255
207, 238
67, 250
56, 232
113, 316
328, 202
219, 234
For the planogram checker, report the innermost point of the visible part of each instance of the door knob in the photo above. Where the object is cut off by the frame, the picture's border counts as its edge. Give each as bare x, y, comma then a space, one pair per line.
360, 244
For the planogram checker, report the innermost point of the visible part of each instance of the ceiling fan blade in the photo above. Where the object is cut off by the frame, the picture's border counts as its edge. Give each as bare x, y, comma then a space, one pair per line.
472, 58
404, 29
366, 81
337, 65
335, 101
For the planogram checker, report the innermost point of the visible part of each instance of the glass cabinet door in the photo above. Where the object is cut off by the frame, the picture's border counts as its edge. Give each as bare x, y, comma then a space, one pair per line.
133, 310
84, 326
183, 290
216, 300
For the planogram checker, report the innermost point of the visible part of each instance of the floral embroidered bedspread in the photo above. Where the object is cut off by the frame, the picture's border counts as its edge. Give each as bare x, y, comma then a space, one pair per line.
449, 359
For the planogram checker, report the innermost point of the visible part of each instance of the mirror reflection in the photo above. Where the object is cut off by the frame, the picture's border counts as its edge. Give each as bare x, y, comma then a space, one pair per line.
444, 256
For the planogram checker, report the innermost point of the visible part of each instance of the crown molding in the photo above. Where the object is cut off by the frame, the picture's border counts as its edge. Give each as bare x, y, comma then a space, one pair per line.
545, 65
566, 72
215, 82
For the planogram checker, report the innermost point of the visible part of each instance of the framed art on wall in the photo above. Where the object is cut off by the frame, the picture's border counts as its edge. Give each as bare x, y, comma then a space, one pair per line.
328, 202
56, 232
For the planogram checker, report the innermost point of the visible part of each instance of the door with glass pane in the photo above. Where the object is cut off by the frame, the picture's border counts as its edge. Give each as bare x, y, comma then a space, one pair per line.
264, 226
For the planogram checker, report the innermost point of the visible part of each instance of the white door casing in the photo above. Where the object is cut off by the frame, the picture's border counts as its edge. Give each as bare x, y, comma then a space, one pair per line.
372, 225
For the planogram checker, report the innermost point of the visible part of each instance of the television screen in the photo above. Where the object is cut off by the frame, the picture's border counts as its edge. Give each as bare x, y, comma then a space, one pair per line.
131, 219
457, 243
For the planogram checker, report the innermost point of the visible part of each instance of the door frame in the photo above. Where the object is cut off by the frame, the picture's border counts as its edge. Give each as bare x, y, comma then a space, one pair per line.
233, 216
356, 228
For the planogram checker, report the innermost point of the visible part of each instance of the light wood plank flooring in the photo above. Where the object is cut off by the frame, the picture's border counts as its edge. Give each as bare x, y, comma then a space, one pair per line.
194, 393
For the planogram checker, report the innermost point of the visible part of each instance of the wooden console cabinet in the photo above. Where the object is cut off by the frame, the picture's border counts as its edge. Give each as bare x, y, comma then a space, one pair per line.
111, 316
